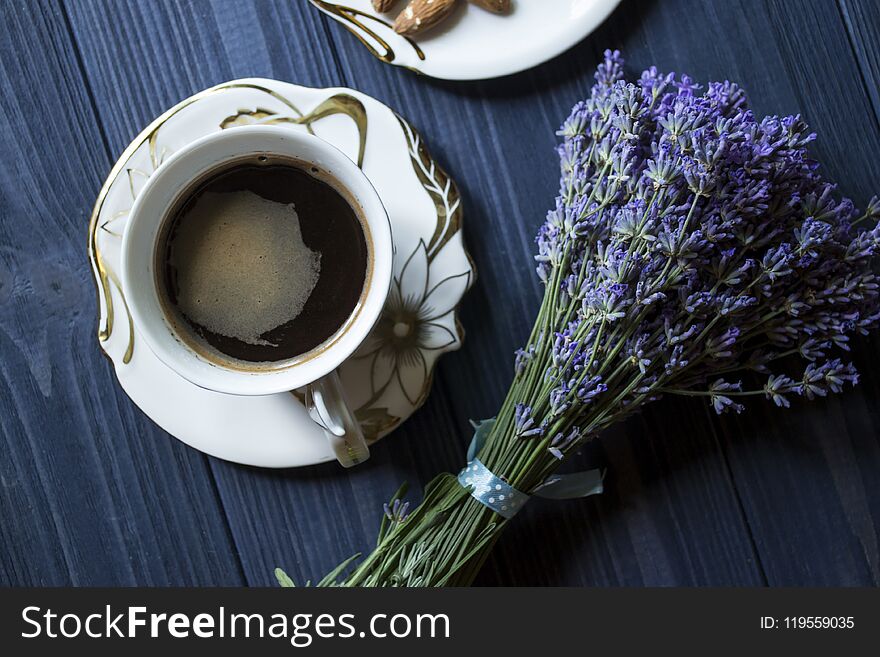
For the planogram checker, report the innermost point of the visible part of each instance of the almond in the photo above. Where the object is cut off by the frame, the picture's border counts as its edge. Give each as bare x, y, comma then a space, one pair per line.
495, 6
383, 5
421, 15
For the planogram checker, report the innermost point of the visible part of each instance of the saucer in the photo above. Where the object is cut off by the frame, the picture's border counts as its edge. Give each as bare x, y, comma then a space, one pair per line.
474, 44
389, 377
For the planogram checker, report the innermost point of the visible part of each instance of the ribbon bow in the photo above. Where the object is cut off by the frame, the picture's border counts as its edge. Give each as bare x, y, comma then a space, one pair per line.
495, 493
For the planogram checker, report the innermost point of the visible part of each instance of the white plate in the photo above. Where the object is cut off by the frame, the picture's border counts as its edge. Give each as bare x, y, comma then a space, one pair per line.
474, 44
390, 376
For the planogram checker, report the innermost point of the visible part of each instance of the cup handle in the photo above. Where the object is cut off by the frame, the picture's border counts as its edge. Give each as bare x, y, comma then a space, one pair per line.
328, 407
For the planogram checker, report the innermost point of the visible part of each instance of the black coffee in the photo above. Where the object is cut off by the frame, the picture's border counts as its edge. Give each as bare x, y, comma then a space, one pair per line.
263, 260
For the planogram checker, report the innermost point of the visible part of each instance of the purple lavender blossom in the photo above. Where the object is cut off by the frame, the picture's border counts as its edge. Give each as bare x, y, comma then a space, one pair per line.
397, 511
561, 442
524, 423
689, 237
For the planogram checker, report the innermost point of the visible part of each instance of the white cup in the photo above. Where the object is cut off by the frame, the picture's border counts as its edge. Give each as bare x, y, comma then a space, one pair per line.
314, 370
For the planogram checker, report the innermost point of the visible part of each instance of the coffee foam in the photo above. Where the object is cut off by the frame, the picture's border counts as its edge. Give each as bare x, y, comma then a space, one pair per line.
242, 266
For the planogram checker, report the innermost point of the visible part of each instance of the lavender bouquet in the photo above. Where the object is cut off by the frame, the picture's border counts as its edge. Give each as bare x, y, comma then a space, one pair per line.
690, 243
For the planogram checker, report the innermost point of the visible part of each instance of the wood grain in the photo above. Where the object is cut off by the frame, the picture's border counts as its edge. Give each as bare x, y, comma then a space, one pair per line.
861, 18
770, 497
92, 492
808, 479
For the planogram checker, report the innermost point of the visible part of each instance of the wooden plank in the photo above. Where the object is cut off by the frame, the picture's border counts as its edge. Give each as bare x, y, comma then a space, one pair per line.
810, 478
672, 514
141, 58
92, 493
862, 18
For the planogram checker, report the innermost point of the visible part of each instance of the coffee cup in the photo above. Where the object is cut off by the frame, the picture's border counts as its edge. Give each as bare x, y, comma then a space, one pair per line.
180, 348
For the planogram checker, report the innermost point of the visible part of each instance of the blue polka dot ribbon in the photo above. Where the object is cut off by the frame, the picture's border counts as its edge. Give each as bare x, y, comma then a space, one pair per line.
491, 491
495, 493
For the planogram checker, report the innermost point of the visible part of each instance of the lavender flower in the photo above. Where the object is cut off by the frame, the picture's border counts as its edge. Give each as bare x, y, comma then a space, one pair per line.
524, 423
396, 512
561, 442
689, 237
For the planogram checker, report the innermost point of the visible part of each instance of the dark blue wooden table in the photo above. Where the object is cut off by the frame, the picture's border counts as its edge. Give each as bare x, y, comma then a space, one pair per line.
93, 493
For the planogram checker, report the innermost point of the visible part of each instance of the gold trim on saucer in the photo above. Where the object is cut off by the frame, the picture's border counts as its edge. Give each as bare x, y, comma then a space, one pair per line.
439, 186
349, 18
338, 104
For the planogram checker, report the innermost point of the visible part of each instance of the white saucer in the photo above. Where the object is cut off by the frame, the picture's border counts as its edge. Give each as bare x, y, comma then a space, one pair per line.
390, 376
474, 44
